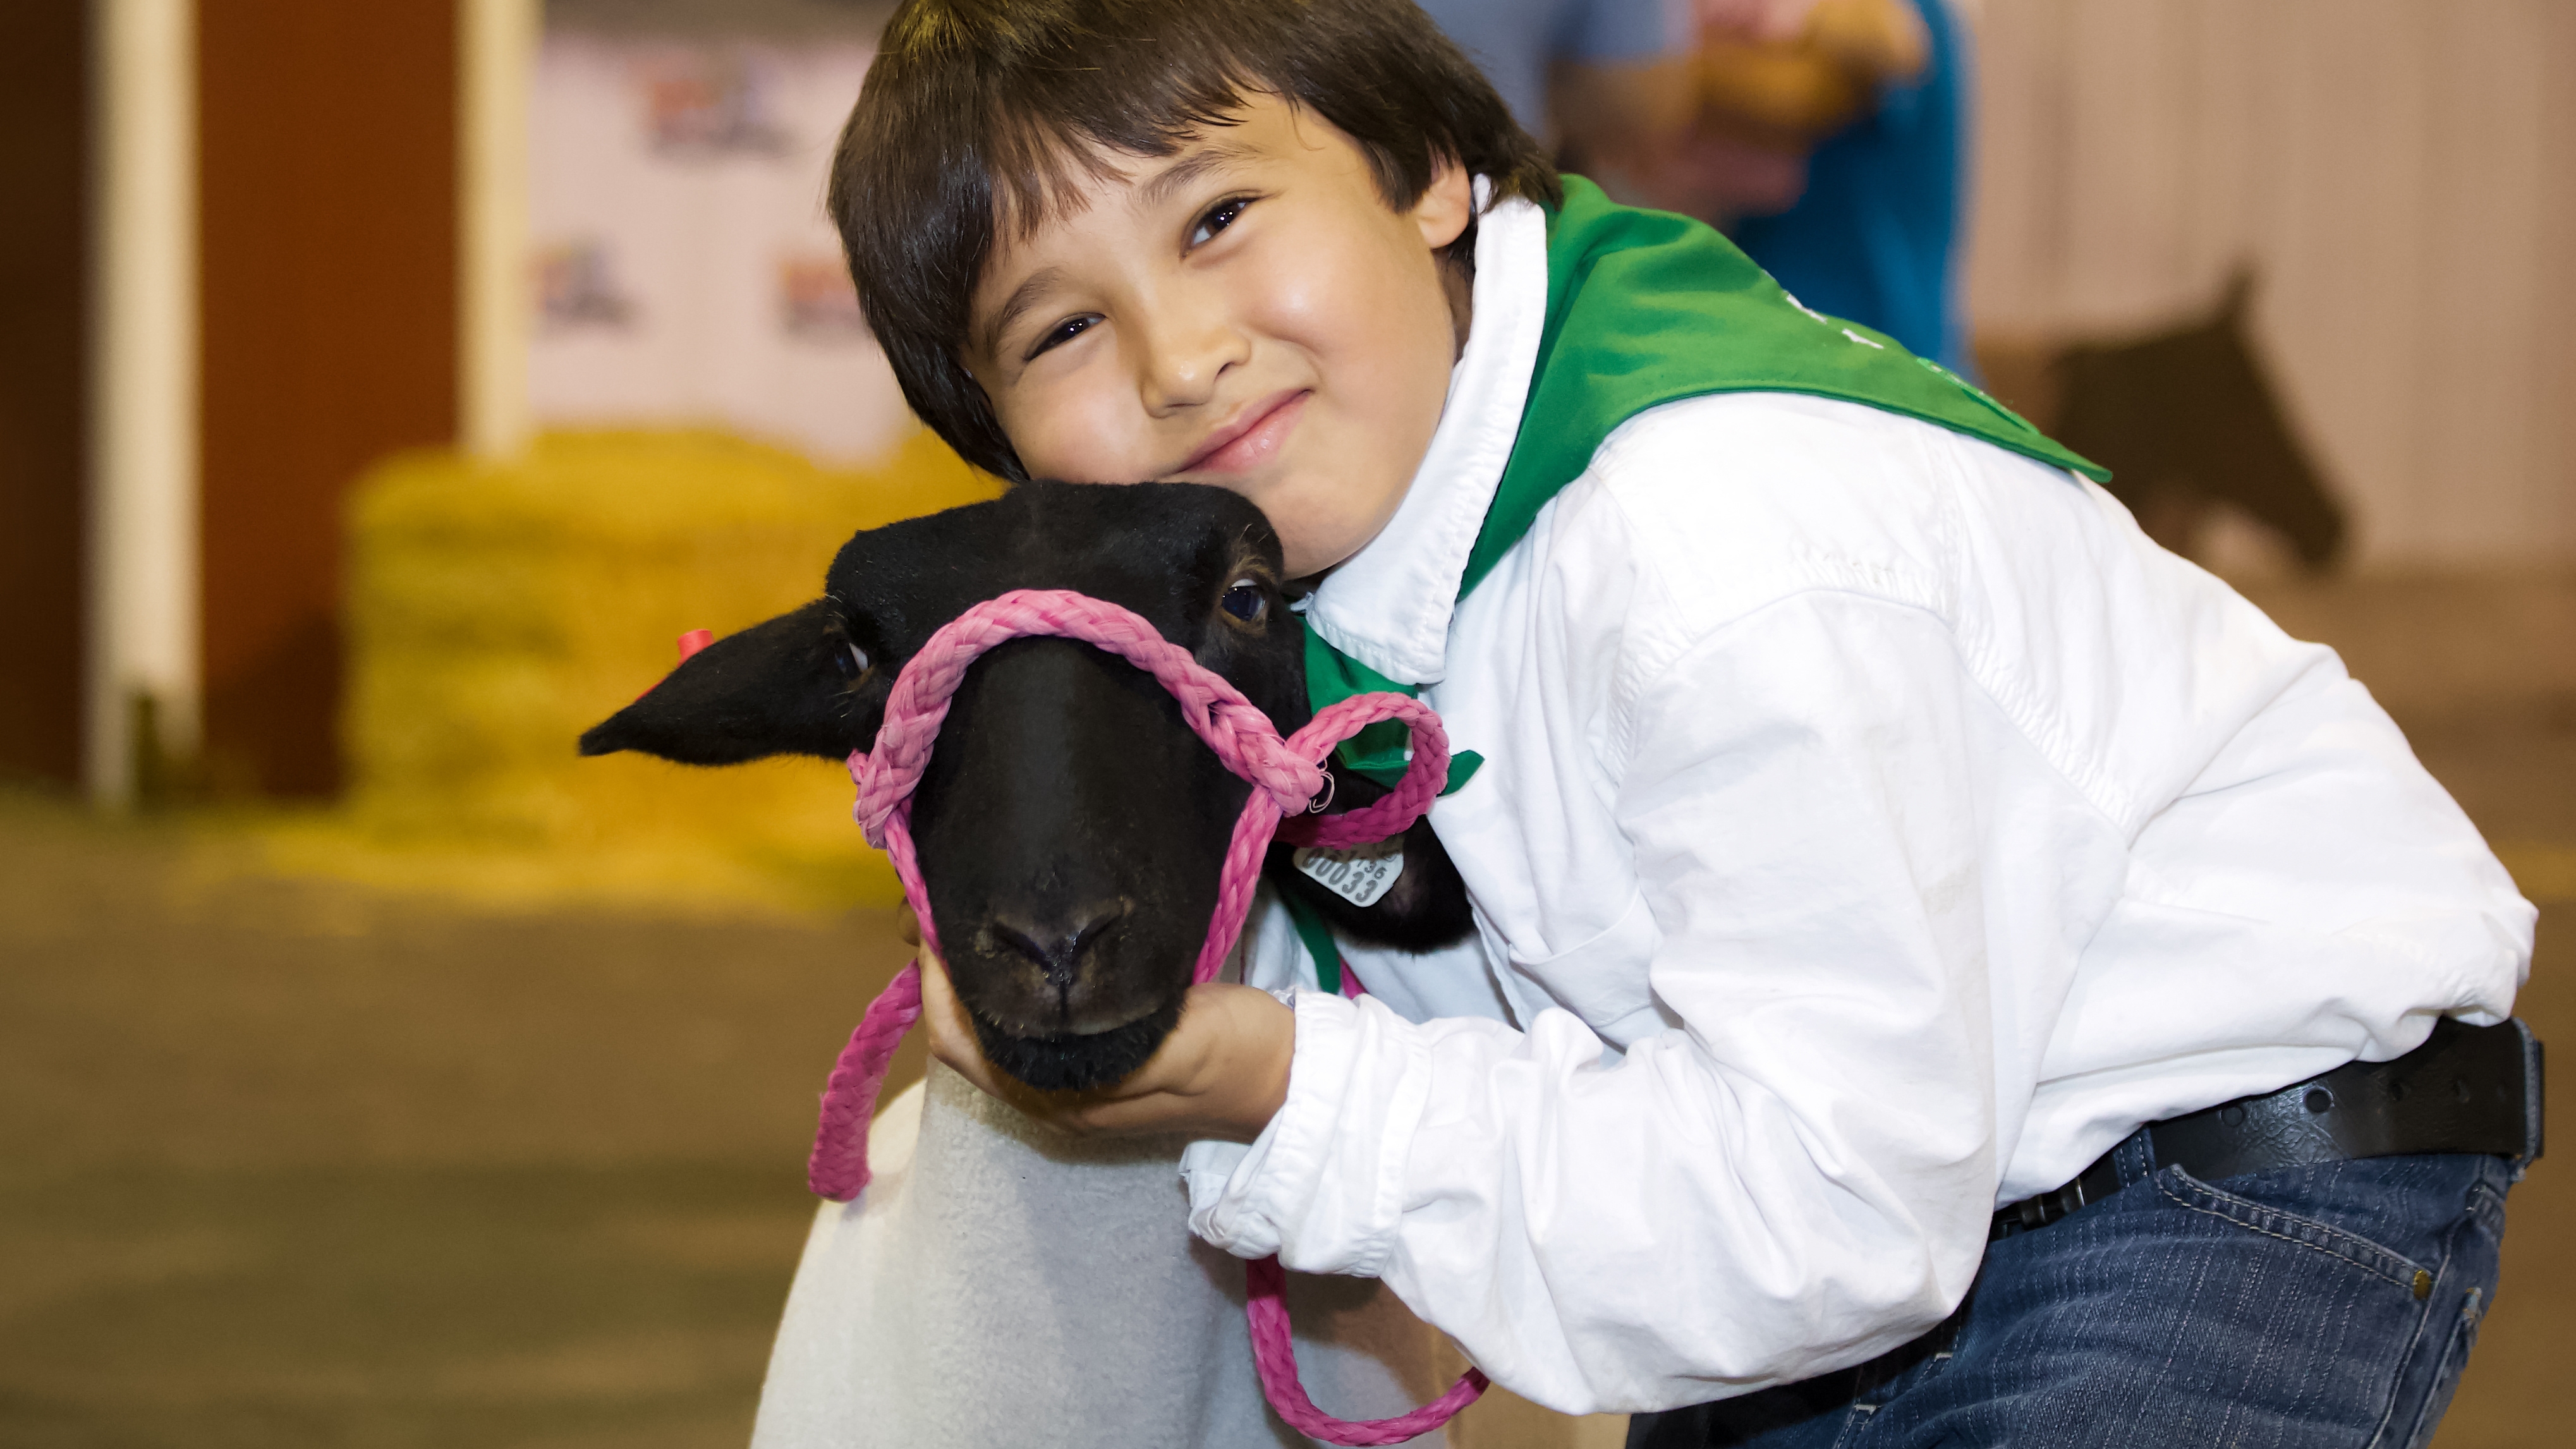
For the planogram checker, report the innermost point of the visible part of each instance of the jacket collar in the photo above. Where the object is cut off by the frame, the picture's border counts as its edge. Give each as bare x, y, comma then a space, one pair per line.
1389, 605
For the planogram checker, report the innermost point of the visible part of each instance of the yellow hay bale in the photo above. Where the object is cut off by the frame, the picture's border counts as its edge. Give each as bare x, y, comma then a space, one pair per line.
498, 609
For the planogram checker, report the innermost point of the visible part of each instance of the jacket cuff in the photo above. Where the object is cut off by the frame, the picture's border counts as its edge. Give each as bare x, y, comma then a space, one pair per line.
1322, 1186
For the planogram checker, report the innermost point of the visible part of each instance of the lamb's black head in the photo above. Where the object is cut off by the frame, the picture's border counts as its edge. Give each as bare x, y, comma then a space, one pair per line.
1071, 828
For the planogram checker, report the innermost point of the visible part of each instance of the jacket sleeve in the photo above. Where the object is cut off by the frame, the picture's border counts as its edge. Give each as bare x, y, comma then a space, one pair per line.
1827, 815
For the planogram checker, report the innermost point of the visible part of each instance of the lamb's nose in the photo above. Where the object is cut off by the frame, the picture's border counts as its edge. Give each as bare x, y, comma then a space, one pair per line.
1056, 942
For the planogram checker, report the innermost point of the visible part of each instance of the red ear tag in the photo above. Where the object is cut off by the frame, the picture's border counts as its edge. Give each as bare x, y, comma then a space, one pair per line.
690, 643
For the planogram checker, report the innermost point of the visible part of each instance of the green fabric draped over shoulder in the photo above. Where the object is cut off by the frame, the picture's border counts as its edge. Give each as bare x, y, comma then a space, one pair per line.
1646, 308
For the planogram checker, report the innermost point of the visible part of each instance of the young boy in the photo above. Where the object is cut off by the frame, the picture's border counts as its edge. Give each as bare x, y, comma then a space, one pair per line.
1874, 829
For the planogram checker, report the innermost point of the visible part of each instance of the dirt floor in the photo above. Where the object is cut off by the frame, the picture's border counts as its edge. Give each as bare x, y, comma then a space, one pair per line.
285, 1162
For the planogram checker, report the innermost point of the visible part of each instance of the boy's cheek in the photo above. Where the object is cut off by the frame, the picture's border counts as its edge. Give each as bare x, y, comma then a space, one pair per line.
1078, 440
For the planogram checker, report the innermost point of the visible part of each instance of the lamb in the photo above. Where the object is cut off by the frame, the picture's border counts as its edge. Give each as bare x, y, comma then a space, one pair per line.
1000, 1282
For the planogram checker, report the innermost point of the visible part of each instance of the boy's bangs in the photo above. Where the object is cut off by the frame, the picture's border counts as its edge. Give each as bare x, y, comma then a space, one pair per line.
989, 117
1040, 158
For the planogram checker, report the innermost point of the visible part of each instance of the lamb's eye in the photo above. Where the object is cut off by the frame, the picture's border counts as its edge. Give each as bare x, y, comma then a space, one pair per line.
853, 661
1244, 601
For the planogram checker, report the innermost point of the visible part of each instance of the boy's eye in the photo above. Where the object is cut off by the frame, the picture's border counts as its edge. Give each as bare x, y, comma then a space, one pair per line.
1062, 332
1218, 218
1245, 601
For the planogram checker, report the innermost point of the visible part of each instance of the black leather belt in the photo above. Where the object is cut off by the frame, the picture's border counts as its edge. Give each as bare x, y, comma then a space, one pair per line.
2466, 1089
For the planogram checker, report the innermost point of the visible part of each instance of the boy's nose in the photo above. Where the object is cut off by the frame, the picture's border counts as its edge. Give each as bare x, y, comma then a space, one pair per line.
1182, 366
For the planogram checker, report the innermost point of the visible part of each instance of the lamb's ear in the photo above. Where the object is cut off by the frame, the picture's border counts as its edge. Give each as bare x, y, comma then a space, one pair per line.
790, 686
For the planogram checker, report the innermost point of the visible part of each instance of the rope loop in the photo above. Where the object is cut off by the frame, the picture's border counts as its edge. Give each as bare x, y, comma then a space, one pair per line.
1242, 736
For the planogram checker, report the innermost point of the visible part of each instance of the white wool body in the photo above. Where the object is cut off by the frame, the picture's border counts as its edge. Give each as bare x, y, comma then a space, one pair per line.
1002, 1283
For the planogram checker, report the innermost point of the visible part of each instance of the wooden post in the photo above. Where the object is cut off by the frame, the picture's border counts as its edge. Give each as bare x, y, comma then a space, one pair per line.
143, 621
496, 62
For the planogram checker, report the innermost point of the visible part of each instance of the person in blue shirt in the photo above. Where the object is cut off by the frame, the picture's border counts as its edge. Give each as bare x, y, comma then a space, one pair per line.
1874, 236
1586, 74
1829, 140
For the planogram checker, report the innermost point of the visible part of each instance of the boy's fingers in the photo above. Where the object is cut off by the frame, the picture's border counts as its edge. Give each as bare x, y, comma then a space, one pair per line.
1213, 1075
952, 1041
1222, 1072
952, 1036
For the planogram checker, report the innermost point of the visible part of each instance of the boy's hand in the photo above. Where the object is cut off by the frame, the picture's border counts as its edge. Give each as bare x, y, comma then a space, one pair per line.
1223, 1072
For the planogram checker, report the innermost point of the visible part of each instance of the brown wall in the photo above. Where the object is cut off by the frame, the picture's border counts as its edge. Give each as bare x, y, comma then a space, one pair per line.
329, 195
44, 68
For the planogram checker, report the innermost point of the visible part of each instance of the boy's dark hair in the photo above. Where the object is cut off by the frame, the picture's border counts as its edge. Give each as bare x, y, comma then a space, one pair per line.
976, 114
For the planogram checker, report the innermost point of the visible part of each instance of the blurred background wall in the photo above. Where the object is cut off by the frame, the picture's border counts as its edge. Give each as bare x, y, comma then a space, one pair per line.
252, 254
2391, 172
327, 175
2396, 173
230, 286
44, 349
683, 265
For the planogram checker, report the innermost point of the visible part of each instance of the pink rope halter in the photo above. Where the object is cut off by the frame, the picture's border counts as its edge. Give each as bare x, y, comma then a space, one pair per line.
1286, 775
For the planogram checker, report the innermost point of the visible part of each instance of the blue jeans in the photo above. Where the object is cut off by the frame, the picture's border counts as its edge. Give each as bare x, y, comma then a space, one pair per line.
2306, 1306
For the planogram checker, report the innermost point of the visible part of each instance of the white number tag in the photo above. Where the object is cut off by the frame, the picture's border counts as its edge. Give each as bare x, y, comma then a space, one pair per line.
1361, 875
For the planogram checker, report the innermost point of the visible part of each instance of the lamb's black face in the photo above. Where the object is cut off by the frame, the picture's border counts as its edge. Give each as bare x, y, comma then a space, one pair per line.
1071, 827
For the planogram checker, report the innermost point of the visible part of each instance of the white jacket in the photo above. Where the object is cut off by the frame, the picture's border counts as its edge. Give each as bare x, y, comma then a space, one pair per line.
1874, 828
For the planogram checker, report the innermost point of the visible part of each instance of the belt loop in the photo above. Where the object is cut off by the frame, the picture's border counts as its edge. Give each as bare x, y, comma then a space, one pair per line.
2135, 1157
2533, 1082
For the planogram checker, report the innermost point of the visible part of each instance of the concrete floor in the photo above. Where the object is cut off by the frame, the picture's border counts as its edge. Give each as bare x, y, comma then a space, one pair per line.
289, 1163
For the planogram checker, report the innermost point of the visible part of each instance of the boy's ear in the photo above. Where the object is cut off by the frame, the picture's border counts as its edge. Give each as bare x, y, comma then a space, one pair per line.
1447, 204
791, 686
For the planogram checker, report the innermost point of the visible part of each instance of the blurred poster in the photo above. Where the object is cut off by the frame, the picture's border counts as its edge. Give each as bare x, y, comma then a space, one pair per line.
685, 270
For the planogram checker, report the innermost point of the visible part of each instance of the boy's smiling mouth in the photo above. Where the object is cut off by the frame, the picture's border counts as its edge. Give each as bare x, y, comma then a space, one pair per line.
1252, 437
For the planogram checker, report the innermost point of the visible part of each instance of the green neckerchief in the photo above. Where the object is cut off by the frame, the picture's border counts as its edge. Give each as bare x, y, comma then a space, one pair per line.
1317, 938
1379, 751
1646, 308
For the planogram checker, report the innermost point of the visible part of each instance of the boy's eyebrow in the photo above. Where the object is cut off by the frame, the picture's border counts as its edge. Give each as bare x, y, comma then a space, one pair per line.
1149, 194
1189, 168
1022, 298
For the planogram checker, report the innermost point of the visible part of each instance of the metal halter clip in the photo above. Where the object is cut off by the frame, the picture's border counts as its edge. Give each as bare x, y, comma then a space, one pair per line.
1323, 802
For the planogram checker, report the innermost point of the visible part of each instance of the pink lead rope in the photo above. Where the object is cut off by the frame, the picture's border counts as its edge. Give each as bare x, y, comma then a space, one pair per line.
1285, 774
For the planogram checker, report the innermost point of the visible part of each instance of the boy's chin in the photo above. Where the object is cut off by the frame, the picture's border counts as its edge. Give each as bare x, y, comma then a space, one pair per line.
1308, 568
1324, 557
1320, 533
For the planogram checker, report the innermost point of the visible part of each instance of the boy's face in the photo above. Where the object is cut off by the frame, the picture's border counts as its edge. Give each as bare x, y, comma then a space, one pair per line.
1247, 312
